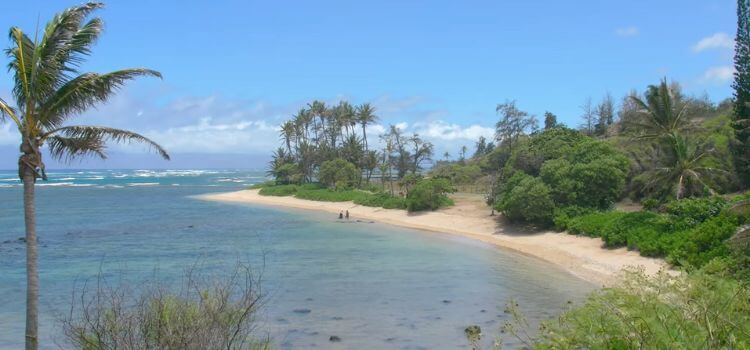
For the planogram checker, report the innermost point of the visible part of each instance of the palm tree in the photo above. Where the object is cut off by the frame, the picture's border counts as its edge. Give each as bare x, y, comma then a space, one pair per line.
288, 131
48, 91
680, 171
662, 114
365, 116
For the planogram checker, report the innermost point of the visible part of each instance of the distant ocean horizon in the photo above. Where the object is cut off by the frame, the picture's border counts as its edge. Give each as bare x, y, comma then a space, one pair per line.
373, 285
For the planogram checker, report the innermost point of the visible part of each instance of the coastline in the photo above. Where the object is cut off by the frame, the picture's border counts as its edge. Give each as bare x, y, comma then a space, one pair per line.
581, 256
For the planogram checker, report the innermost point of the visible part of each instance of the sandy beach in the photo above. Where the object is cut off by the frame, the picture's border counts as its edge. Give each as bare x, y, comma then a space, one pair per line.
470, 217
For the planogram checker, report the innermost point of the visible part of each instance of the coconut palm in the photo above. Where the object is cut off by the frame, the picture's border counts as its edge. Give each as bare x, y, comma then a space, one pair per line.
661, 114
680, 171
49, 90
288, 133
366, 116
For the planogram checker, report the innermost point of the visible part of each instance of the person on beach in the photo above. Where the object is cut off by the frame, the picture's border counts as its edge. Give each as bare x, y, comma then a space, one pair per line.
341, 215
347, 214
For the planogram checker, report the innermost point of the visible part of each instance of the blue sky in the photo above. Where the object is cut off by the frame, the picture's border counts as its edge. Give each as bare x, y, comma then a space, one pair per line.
233, 70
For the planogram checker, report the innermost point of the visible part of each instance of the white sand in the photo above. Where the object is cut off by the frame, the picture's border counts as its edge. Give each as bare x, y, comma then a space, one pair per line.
470, 217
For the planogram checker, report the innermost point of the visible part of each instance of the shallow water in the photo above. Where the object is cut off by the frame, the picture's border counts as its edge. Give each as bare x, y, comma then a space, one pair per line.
373, 285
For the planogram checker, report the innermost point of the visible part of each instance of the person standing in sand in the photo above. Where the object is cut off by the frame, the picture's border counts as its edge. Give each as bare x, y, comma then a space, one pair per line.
341, 215
347, 214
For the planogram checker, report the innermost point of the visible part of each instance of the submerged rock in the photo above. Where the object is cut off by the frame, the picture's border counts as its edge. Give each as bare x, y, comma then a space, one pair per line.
302, 311
446, 301
334, 338
473, 333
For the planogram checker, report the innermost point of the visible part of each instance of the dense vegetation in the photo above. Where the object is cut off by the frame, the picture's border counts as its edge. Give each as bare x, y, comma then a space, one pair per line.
326, 157
671, 153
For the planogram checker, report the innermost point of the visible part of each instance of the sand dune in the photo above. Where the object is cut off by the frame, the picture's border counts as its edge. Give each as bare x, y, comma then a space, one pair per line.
470, 217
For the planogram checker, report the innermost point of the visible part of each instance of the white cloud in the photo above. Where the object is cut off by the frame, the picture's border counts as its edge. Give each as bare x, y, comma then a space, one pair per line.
720, 74
716, 41
626, 32
441, 130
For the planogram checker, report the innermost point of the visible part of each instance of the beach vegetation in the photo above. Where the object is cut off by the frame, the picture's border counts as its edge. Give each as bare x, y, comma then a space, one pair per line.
429, 194
338, 174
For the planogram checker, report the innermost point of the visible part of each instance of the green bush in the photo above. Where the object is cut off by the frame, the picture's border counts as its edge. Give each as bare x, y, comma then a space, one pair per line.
384, 200
564, 214
689, 311
278, 190
705, 241
592, 175
695, 210
526, 198
338, 174
429, 194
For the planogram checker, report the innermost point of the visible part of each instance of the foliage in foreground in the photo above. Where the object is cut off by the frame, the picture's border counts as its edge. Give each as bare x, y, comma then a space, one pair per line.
203, 314
698, 310
689, 311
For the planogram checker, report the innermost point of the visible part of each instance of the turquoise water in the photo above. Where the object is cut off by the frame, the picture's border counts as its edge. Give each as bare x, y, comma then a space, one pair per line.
373, 285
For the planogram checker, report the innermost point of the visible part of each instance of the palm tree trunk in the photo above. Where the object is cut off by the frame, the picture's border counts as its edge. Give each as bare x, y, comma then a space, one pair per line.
32, 273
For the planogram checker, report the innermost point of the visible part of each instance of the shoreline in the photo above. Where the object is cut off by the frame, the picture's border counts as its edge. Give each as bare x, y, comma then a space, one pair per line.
581, 256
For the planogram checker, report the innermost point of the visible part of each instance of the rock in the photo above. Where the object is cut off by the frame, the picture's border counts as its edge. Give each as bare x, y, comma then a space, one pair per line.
22, 239
302, 311
334, 338
473, 333
483, 311
191, 226
446, 301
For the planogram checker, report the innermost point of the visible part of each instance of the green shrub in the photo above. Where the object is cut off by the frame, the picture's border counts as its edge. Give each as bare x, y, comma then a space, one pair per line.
526, 198
429, 194
384, 200
592, 175
593, 224
338, 174
564, 214
705, 241
689, 311
695, 210
329, 195
278, 190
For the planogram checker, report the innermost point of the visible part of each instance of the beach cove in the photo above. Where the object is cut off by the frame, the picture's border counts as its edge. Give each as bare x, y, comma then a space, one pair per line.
583, 257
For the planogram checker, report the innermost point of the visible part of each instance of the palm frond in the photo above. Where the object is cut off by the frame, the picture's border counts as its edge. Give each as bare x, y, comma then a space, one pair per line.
64, 43
68, 148
21, 56
85, 91
102, 134
7, 111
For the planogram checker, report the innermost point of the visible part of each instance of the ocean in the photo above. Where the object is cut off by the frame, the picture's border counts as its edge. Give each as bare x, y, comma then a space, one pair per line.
373, 285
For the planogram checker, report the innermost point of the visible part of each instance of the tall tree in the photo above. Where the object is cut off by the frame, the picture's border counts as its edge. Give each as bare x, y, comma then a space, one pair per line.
366, 116
605, 114
589, 117
513, 123
423, 151
741, 85
550, 120
480, 147
49, 90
